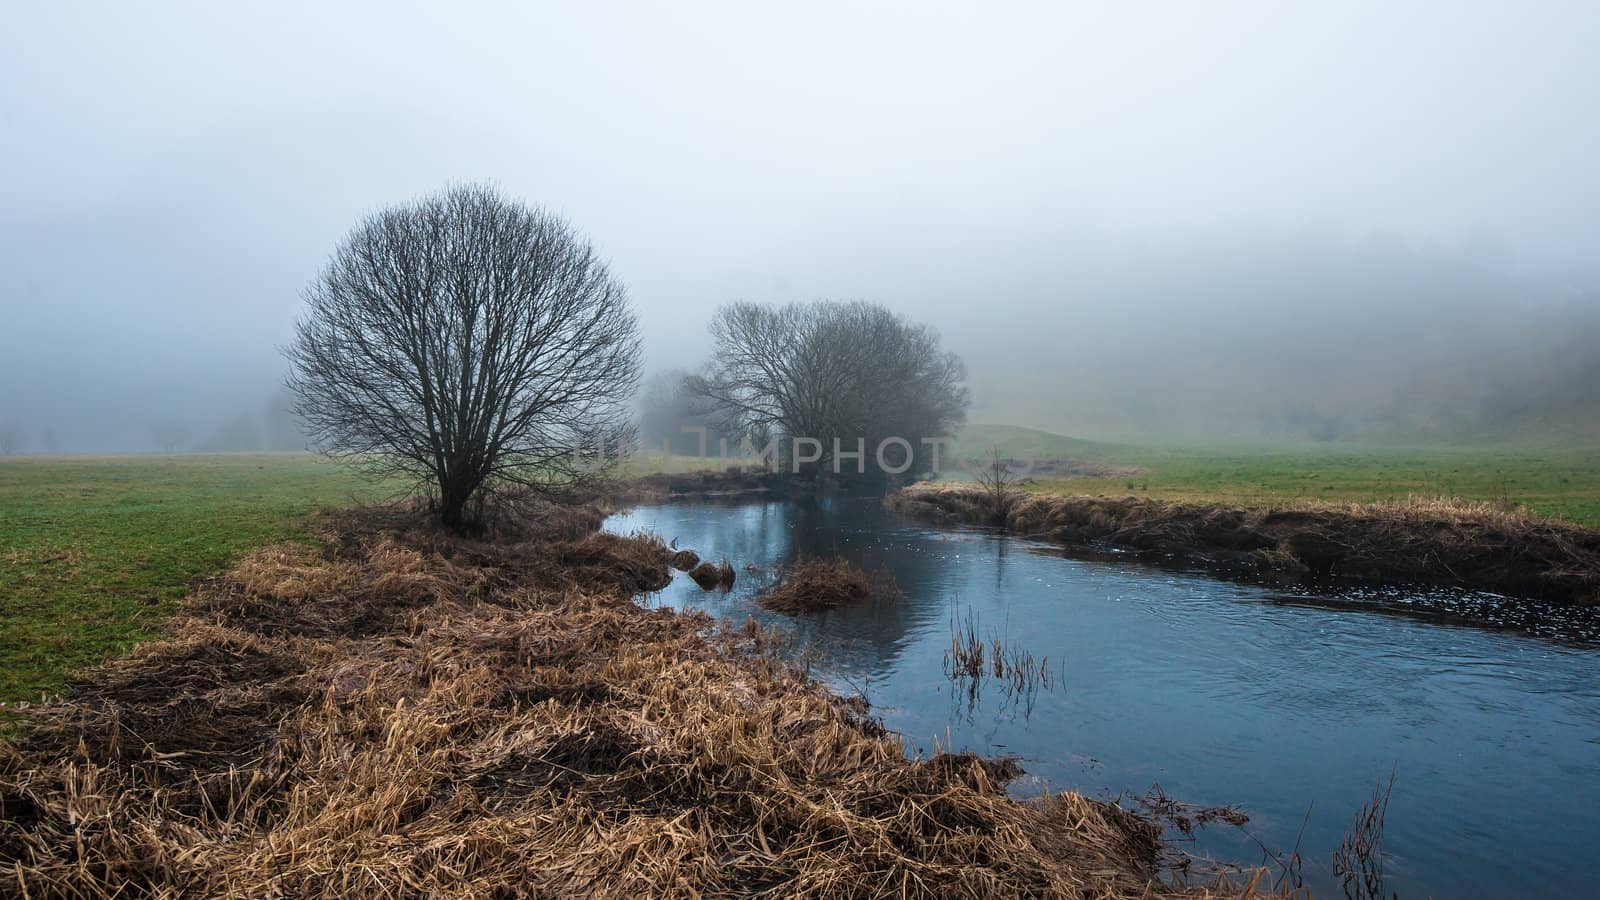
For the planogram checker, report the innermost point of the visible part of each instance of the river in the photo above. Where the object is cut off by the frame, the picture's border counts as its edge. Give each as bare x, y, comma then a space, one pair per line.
1218, 692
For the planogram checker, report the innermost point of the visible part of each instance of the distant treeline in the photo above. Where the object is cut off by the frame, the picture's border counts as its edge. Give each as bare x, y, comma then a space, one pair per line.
273, 428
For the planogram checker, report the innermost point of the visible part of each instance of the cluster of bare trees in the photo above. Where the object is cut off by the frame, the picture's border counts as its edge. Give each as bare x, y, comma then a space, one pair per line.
277, 428
170, 435
14, 440
11, 438
672, 417
849, 375
466, 341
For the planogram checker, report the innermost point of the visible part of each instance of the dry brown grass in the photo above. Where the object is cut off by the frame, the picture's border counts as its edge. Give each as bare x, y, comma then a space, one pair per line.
713, 576
813, 585
403, 714
1428, 541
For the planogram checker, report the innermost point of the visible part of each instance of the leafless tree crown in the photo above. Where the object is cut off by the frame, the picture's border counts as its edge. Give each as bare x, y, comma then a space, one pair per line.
465, 340
170, 435
848, 370
10, 438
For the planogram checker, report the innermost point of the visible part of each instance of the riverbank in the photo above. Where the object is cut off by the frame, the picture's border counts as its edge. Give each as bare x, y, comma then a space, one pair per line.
395, 712
1555, 481
1471, 546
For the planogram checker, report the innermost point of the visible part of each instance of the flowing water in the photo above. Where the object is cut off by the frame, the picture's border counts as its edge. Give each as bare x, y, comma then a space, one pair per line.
1218, 692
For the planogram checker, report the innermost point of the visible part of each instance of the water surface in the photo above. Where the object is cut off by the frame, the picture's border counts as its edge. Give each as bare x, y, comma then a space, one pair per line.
1219, 692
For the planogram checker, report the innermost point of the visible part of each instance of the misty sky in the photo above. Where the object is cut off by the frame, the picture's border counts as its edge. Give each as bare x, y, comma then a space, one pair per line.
1108, 200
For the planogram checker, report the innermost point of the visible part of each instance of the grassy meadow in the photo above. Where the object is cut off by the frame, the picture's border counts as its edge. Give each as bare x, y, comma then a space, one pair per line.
96, 551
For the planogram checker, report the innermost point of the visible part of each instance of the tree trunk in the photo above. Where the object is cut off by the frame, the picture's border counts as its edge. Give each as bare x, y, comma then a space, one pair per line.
453, 497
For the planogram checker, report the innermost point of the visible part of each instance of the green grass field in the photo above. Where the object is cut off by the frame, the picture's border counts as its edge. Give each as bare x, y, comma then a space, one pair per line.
95, 551
1554, 482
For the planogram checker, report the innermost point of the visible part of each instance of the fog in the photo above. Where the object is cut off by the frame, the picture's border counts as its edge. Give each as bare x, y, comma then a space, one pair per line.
1309, 221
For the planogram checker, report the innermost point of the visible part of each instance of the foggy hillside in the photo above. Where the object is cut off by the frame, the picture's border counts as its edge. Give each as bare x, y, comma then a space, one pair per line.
1235, 221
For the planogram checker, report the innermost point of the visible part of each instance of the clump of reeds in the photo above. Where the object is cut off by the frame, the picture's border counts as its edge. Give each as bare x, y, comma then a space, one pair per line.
813, 585
965, 657
713, 576
1187, 818
972, 658
1359, 860
685, 560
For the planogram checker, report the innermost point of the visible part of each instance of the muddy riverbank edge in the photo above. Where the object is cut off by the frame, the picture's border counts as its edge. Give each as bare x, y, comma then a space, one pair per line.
1447, 544
398, 712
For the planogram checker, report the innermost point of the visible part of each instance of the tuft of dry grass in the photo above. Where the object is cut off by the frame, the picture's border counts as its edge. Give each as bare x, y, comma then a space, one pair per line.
813, 585
713, 576
1428, 541
402, 713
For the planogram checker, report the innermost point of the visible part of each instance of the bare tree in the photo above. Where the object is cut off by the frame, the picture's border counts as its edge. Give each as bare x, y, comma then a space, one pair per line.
11, 439
667, 407
239, 432
464, 341
170, 435
848, 370
281, 430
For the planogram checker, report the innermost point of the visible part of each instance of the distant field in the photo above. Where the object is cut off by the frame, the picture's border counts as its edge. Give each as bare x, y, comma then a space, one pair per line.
976, 441
95, 551
1555, 482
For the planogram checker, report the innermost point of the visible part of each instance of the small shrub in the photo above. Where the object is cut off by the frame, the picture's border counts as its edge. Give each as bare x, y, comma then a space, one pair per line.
814, 585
